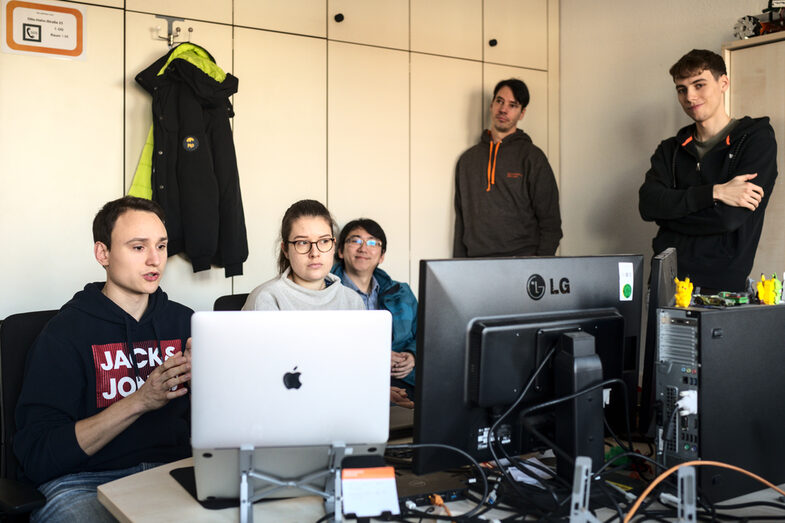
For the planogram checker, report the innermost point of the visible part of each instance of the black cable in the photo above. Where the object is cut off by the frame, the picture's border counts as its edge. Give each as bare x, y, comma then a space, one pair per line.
651, 517
614, 503
702, 501
473, 511
556, 401
668, 429
736, 506
492, 433
625, 449
564, 399
544, 469
731, 517
616, 438
514, 462
644, 510
523, 415
633, 455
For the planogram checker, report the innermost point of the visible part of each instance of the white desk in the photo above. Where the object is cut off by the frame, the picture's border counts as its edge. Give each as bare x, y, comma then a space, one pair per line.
154, 495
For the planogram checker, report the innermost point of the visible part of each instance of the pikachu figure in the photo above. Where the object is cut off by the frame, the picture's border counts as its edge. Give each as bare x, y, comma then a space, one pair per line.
683, 292
770, 291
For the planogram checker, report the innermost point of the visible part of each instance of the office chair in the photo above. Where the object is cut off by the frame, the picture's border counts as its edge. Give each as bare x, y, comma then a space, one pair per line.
17, 334
230, 302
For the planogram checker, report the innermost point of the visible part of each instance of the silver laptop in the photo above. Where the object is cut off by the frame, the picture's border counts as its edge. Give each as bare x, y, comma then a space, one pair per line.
290, 384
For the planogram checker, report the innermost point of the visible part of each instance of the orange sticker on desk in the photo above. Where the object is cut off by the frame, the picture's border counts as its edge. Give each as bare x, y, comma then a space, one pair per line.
371, 473
369, 492
43, 28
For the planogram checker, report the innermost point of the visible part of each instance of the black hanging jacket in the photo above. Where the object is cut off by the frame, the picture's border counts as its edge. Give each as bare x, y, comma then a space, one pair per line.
194, 166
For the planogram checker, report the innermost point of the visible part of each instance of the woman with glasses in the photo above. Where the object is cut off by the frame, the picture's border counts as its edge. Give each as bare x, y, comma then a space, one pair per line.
304, 262
361, 247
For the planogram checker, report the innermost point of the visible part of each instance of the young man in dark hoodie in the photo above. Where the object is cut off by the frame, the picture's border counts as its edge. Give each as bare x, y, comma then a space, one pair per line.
104, 391
506, 198
708, 186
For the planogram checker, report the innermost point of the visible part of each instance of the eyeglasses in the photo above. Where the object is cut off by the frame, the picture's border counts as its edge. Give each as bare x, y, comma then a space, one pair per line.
356, 241
304, 246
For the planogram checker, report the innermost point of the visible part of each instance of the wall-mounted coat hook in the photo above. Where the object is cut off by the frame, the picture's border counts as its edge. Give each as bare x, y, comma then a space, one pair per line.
171, 31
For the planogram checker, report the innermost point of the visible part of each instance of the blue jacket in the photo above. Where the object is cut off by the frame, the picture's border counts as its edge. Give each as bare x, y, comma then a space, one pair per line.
396, 297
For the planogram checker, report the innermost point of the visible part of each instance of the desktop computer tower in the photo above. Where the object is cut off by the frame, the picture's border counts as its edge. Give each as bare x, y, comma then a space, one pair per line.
733, 361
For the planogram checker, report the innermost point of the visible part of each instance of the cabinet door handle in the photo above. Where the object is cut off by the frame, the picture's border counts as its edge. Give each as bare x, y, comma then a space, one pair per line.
339, 17
492, 42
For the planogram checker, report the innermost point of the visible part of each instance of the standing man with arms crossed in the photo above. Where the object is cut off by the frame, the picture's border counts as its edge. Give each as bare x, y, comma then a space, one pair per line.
506, 198
103, 394
708, 186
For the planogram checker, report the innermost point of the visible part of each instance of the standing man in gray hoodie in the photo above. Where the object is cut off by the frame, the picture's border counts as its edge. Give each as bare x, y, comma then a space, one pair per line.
506, 198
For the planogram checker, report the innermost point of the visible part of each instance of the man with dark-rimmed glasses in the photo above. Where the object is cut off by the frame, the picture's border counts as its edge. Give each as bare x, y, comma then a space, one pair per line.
361, 247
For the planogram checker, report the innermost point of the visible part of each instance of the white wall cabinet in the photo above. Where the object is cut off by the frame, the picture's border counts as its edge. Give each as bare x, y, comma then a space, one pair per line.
368, 115
447, 28
516, 32
280, 133
213, 11
305, 17
383, 23
368, 142
446, 118
757, 88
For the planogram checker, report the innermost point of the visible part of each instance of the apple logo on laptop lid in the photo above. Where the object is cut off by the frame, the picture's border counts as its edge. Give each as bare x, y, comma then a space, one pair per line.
291, 380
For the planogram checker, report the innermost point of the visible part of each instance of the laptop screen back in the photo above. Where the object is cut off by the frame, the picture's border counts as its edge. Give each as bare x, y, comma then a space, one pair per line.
290, 384
290, 378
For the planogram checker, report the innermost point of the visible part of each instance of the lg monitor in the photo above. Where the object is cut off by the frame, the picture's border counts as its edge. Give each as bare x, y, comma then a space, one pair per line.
485, 326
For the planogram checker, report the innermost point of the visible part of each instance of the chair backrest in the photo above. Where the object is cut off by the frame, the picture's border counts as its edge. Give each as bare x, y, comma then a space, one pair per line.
17, 334
230, 302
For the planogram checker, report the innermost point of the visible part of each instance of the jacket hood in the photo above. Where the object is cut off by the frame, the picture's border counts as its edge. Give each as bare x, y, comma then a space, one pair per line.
194, 66
493, 150
93, 302
745, 125
518, 135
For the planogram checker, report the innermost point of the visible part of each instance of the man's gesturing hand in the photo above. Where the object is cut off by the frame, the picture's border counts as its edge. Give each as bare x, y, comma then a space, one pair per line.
157, 390
739, 192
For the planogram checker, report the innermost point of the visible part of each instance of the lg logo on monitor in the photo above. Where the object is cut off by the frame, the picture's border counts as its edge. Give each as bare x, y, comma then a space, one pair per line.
536, 286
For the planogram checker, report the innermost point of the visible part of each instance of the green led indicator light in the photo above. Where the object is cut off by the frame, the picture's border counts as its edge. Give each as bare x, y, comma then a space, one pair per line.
627, 290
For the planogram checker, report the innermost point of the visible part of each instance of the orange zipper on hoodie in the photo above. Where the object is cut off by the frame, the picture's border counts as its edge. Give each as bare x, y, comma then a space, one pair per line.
492, 152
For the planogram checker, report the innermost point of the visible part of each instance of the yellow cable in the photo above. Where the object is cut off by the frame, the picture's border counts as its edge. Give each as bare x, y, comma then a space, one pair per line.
671, 470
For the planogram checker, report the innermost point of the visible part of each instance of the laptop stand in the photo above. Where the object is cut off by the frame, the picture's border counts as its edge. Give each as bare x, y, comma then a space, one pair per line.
333, 498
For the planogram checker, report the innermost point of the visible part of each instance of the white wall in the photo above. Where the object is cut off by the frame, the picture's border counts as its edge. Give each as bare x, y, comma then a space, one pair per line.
318, 103
618, 102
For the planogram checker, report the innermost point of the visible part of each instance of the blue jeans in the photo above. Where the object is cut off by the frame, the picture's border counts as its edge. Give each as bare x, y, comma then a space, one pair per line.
73, 497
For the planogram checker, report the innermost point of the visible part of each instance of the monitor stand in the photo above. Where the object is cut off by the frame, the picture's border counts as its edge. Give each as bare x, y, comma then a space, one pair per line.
332, 491
579, 422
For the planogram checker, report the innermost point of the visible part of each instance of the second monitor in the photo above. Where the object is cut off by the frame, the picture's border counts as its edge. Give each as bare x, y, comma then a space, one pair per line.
504, 315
